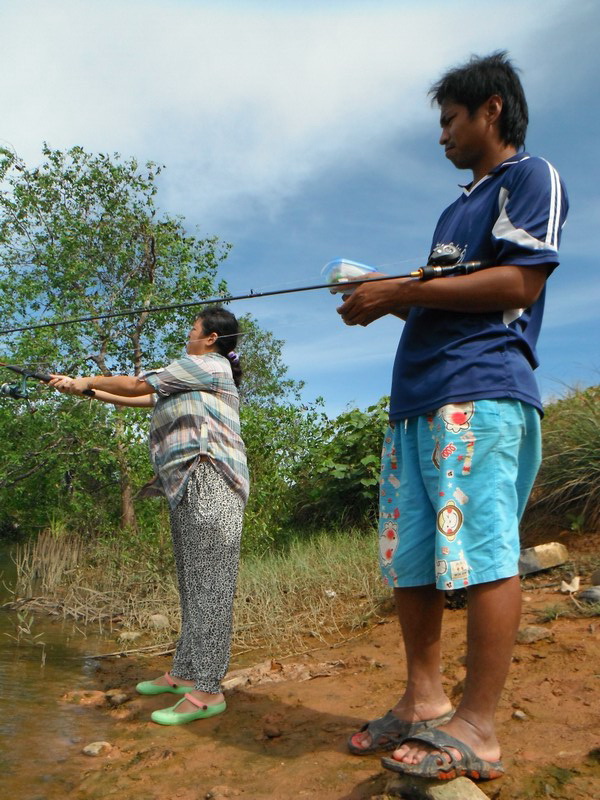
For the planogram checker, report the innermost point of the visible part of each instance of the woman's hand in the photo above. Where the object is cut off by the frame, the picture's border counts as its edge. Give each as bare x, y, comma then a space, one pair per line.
67, 385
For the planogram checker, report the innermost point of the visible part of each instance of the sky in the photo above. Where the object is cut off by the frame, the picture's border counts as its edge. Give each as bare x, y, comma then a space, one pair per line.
300, 132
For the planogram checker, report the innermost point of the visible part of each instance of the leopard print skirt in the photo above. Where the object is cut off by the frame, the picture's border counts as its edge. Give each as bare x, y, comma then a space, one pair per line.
206, 526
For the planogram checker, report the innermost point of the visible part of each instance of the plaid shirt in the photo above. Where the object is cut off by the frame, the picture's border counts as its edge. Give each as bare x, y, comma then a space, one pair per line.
196, 414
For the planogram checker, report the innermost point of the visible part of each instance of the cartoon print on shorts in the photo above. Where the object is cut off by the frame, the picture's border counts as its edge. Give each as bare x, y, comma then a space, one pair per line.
435, 456
394, 481
460, 496
450, 520
457, 416
394, 576
441, 567
459, 571
470, 439
388, 542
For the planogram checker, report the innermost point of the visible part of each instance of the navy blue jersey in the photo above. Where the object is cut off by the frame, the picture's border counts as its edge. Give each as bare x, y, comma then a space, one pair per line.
512, 216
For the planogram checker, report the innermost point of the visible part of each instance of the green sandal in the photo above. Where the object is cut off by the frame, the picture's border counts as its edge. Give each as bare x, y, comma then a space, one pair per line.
148, 687
169, 716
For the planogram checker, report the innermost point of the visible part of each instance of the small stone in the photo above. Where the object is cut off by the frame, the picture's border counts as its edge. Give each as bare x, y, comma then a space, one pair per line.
520, 715
129, 636
590, 595
97, 748
568, 587
116, 697
543, 556
159, 622
533, 633
458, 789
86, 697
272, 731
235, 682
221, 793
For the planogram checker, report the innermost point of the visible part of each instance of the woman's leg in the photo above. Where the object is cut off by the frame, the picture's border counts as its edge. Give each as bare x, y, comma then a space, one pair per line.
208, 526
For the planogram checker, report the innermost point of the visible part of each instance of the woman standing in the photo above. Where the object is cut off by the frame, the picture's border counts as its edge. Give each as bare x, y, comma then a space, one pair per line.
200, 463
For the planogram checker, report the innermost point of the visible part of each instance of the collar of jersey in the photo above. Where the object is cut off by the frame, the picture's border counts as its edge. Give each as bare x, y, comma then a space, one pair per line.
469, 187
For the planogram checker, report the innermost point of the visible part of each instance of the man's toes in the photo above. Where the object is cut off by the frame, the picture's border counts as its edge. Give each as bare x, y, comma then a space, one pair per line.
361, 740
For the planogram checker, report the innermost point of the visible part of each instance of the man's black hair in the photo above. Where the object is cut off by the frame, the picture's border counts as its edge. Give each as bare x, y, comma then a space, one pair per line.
476, 81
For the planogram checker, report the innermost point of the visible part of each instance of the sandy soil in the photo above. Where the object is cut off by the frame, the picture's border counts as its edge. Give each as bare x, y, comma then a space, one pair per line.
286, 739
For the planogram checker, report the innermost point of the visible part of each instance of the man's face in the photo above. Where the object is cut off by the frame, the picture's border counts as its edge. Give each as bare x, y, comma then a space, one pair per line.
464, 137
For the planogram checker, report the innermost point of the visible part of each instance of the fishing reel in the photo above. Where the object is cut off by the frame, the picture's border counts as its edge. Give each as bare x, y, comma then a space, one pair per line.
444, 255
21, 390
18, 391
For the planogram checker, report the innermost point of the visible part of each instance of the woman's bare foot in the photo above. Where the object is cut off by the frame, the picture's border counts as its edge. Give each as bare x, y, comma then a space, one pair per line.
164, 681
185, 707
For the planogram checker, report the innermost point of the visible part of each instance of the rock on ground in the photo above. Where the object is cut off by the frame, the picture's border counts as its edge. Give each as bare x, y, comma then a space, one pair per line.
420, 789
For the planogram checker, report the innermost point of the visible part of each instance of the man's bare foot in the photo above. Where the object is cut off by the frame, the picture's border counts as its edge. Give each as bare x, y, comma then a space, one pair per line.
484, 744
404, 713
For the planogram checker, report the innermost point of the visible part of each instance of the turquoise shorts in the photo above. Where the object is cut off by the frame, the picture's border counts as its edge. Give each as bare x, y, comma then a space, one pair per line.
453, 487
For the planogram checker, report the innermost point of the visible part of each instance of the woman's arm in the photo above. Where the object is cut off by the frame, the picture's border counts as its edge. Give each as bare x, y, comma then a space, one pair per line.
123, 390
144, 401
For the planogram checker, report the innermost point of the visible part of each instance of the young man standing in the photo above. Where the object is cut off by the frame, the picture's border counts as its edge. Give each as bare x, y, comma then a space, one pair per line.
463, 446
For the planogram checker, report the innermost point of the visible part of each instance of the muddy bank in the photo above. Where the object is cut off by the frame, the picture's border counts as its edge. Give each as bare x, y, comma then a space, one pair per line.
283, 735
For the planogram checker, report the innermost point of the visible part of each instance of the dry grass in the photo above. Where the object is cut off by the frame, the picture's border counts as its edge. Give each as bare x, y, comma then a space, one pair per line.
316, 593
47, 562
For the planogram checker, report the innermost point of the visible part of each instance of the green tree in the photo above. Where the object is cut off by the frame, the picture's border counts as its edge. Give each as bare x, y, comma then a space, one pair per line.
80, 235
278, 429
337, 483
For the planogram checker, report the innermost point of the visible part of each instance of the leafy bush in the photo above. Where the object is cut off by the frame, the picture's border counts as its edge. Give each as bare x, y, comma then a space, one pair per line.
337, 482
278, 438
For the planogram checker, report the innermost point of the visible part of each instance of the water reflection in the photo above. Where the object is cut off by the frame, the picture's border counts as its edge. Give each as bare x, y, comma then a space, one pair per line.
37, 729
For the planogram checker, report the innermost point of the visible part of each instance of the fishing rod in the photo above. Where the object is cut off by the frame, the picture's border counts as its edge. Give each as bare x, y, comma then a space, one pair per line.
20, 391
443, 262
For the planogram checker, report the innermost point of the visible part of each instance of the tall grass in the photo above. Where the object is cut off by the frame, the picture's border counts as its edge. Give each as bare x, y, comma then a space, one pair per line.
568, 484
316, 592
47, 562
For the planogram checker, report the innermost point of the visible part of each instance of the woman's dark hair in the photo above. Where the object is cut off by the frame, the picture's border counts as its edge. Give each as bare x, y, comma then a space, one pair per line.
476, 81
216, 319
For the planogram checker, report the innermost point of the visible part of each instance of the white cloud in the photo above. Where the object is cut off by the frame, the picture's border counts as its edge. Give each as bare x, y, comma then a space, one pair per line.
241, 101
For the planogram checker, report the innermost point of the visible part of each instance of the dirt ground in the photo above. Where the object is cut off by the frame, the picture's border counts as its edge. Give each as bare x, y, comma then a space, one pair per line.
285, 738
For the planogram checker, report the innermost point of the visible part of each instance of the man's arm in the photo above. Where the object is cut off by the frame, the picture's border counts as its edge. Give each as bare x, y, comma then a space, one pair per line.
401, 313
493, 289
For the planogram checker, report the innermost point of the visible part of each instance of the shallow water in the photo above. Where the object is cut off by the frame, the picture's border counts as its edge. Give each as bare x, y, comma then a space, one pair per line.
37, 729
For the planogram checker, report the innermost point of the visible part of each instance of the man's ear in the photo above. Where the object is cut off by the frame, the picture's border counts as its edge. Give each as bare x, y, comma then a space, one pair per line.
493, 108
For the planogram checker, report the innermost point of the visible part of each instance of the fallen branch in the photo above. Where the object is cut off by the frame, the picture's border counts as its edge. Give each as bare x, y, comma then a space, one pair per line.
147, 650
